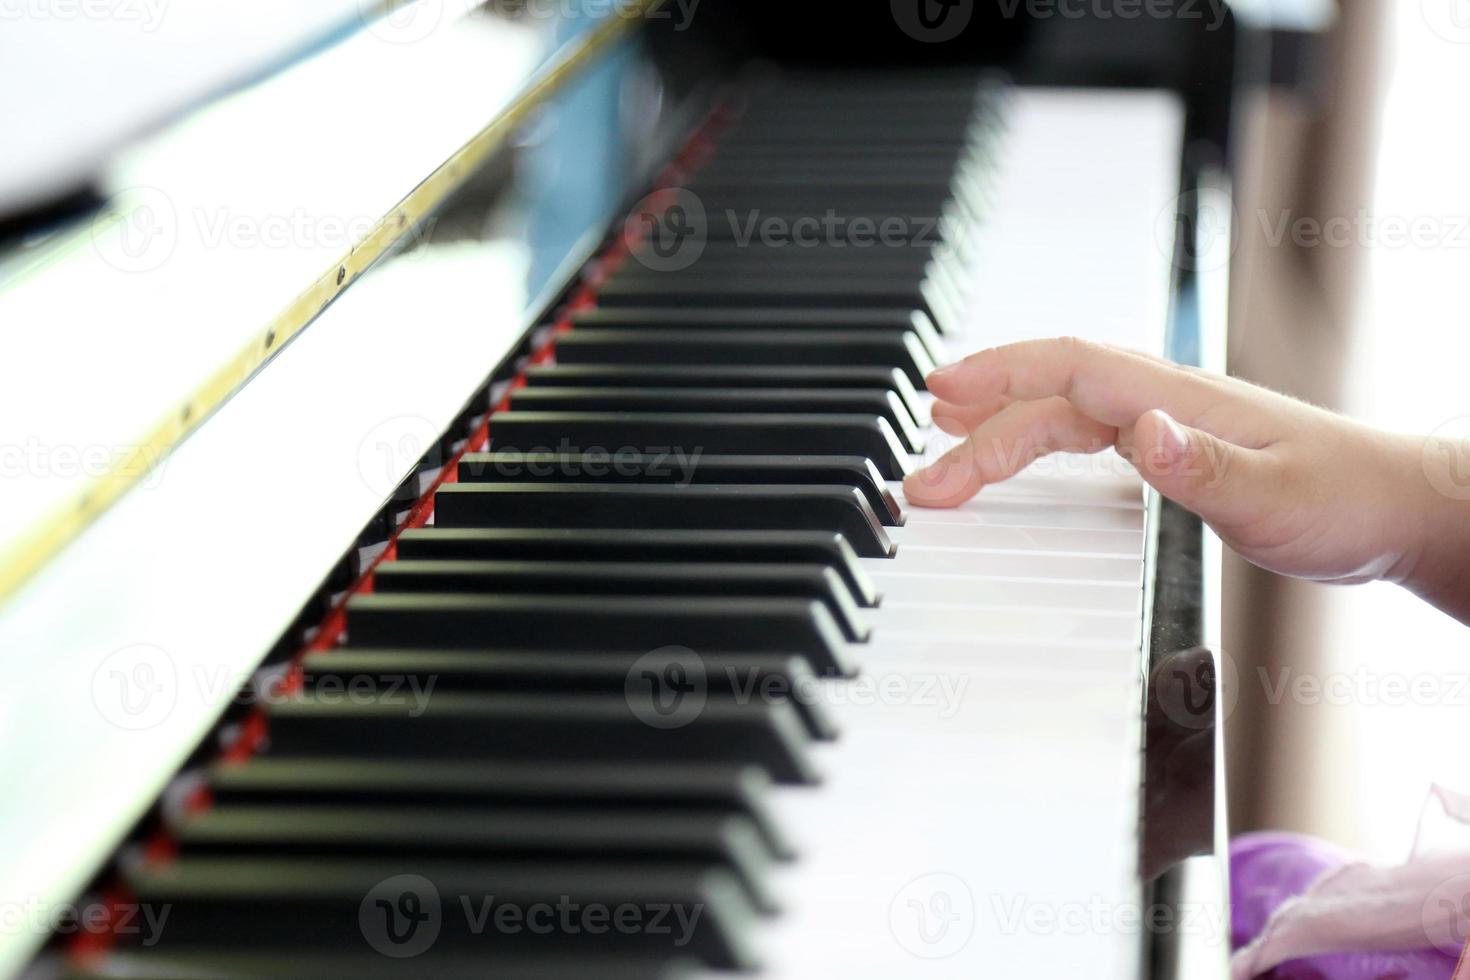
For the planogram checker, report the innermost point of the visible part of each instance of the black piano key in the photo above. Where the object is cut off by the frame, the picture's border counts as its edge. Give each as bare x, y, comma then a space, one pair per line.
903, 110
561, 728
932, 162
879, 181
855, 227
920, 89
838, 107
775, 261
651, 840
737, 237
772, 677
695, 507
629, 789
872, 181
690, 314
855, 100
847, 98
719, 376
704, 316
776, 132
717, 434
834, 112
628, 579
592, 623
386, 904
830, 348
255, 959
766, 401
738, 156
845, 115
826, 215
839, 220
864, 176
845, 121
855, 471
937, 169
554, 544
945, 159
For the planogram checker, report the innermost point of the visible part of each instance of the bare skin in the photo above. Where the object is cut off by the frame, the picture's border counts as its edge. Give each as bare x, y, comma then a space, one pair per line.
1291, 487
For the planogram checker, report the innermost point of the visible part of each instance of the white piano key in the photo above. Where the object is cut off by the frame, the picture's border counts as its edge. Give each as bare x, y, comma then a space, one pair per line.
1115, 597
994, 706
996, 801
1048, 625
1011, 564
1081, 661
1066, 540
1055, 478
988, 509
1067, 478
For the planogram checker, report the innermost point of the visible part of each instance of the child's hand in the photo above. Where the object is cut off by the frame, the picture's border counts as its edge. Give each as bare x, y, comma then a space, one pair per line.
1292, 487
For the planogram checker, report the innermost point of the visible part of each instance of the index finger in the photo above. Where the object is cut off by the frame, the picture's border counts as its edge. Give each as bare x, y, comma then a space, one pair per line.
1109, 384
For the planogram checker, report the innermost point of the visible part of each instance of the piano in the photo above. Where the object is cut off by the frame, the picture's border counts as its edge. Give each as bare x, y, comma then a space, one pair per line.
638, 664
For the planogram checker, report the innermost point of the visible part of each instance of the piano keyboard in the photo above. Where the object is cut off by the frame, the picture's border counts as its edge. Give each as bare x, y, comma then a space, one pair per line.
675, 683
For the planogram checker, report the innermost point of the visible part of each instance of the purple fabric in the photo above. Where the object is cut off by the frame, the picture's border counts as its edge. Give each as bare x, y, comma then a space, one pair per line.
1424, 964
1266, 869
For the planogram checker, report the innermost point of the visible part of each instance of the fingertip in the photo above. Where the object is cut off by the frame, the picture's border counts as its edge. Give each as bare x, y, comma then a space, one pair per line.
913, 488
939, 374
960, 381
918, 494
947, 482
938, 380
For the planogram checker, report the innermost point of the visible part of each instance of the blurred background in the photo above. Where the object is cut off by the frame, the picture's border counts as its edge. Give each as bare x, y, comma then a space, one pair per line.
1354, 240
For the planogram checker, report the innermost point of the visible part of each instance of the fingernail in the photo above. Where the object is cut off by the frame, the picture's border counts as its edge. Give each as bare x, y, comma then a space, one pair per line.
1173, 440
939, 374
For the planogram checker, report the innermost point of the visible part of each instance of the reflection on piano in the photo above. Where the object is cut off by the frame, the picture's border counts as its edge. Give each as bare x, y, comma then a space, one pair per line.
648, 670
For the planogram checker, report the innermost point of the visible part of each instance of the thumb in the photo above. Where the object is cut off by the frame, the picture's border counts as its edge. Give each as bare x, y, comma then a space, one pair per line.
1212, 477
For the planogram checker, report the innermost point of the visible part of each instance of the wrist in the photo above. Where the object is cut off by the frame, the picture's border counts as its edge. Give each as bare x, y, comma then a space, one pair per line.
1435, 508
